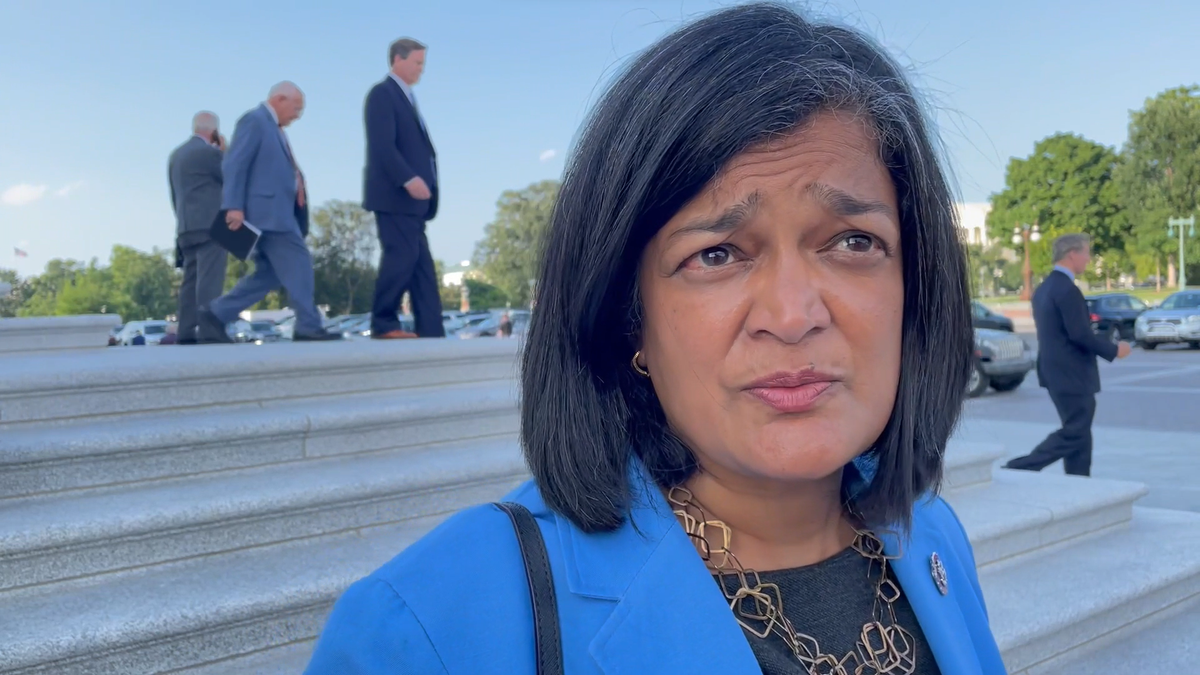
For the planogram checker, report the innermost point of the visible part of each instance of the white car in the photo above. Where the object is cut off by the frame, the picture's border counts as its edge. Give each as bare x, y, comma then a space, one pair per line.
153, 331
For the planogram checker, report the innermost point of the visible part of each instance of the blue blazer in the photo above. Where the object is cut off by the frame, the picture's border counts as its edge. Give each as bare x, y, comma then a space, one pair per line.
398, 149
637, 600
260, 178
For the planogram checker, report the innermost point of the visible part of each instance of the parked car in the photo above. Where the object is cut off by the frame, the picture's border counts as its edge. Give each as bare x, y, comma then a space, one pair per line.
153, 331
489, 326
114, 335
1175, 321
982, 316
1114, 315
1002, 360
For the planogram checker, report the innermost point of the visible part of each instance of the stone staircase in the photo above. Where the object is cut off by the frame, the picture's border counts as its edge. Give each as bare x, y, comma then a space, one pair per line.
197, 510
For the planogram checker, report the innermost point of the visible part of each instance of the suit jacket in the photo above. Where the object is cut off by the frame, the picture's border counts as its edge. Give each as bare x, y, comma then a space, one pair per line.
194, 174
1067, 345
260, 177
637, 600
398, 149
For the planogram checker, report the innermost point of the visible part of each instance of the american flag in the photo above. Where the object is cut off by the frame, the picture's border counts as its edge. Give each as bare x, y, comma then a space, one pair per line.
19, 253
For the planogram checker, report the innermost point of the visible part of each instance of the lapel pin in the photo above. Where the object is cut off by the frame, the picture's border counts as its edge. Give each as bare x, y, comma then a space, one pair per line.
938, 571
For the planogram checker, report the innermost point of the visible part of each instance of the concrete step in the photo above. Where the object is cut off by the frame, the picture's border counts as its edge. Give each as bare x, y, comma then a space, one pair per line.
172, 444
1097, 589
112, 382
22, 336
49, 540
969, 463
290, 659
1167, 645
1020, 511
194, 612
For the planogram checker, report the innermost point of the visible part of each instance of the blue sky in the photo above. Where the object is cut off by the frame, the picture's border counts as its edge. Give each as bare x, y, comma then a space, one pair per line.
94, 96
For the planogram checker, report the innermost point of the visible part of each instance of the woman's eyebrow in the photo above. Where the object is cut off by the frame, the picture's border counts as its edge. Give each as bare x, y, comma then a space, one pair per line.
843, 203
730, 219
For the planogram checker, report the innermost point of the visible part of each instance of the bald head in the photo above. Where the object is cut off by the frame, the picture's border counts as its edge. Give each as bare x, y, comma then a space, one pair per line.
287, 101
204, 123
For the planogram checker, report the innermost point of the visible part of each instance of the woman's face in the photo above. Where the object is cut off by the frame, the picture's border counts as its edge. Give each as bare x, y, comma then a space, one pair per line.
773, 305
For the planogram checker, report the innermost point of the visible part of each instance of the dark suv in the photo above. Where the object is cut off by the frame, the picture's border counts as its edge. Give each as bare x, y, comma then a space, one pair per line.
984, 317
1114, 314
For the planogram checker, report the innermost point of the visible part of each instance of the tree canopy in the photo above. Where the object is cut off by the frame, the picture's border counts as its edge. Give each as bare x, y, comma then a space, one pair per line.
511, 248
1065, 185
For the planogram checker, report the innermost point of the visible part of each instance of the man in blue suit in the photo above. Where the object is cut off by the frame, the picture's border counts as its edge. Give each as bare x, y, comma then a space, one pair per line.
264, 187
400, 186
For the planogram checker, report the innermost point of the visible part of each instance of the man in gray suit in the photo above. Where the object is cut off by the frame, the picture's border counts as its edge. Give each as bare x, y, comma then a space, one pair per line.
194, 174
264, 187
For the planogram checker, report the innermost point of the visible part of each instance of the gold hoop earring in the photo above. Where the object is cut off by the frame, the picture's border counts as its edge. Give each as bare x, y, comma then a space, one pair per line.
638, 367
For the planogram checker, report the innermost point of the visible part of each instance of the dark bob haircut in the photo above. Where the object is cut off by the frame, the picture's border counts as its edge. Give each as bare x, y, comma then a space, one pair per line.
678, 114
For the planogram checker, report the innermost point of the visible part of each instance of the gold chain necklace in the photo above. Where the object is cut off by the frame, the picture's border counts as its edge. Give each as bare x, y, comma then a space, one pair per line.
883, 648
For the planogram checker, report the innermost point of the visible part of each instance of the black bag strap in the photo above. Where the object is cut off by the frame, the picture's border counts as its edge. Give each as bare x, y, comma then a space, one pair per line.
547, 637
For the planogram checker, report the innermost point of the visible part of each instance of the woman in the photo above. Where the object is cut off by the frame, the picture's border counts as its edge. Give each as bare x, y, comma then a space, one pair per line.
751, 346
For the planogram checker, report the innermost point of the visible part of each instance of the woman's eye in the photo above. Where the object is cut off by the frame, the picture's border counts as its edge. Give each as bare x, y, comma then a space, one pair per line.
714, 257
858, 243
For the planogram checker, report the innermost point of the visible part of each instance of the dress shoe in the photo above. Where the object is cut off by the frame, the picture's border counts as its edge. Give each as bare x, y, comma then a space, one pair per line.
324, 336
212, 329
394, 335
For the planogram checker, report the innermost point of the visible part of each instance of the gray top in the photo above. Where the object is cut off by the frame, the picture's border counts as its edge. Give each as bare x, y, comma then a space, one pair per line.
194, 171
830, 601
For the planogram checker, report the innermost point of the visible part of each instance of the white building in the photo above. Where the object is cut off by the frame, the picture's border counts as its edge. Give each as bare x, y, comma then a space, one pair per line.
454, 275
972, 220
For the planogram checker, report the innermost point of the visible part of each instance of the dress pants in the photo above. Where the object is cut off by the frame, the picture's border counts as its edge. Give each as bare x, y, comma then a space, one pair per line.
204, 264
406, 264
280, 259
1072, 443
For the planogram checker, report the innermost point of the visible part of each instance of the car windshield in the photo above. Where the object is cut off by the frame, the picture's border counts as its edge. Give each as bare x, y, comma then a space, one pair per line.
153, 329
1182, 301
1138, 304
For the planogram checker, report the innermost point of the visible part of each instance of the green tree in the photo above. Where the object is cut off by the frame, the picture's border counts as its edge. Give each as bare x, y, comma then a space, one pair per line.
10, 302
343, 242
1159, 178
510, 251
993, 270
146, 282
93, 291
451, 296
40, 293
1065, 185
484, 295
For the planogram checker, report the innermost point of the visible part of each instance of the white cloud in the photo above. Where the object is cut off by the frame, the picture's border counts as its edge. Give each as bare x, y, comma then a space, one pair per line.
22, 194
547, 155
69, 188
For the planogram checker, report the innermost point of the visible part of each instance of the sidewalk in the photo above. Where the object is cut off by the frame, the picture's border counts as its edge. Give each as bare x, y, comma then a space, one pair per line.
1166, 461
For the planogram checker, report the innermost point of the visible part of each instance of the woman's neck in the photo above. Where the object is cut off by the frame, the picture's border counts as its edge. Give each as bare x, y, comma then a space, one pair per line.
776, 525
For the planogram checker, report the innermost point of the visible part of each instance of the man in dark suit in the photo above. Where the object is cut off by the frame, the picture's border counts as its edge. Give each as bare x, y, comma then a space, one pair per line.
1066, 364
400, 186
264, 187
194, 174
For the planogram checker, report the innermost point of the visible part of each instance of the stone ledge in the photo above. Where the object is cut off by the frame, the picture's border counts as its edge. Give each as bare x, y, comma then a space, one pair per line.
131, 450
42, 541
196, 611
64, 387
24, 335
1096, 588
1020, 512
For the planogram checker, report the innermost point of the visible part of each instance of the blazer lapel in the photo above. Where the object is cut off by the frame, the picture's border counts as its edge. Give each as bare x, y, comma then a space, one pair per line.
405, 104
670, 616
940, 616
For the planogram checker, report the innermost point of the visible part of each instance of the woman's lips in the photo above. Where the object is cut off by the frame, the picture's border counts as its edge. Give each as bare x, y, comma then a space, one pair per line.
797, 399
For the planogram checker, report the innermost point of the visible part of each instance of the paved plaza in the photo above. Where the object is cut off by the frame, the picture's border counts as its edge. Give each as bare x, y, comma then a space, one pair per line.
1147, 423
